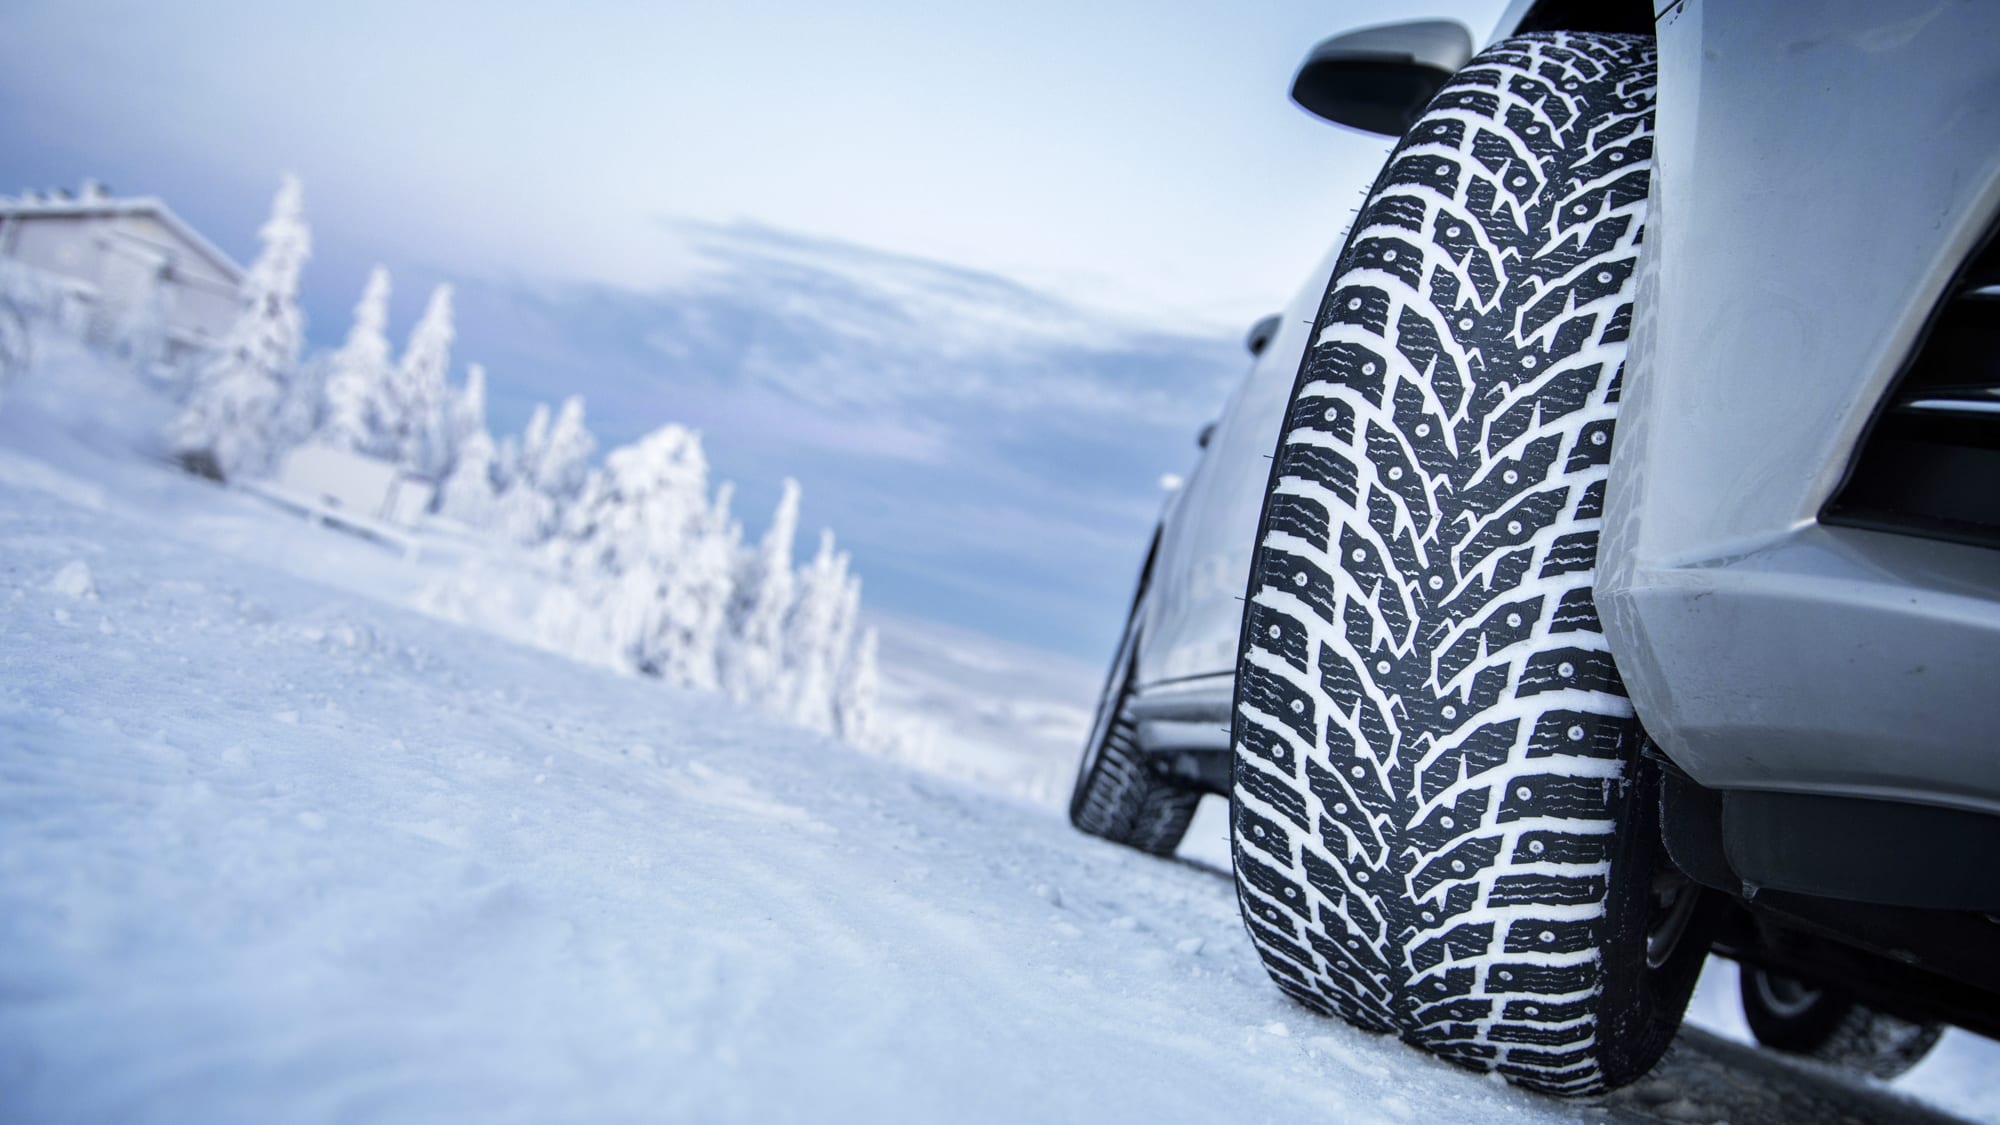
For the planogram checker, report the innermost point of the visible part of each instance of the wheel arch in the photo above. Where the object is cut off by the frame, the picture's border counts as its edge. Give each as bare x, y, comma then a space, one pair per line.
1626, 17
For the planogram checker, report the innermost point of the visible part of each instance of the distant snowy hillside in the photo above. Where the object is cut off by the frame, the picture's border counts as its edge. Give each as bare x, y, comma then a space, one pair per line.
1006, 718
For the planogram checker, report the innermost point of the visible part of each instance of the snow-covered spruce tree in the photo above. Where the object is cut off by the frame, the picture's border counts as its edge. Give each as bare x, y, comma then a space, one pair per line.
467, 415
467, 495
860, 682
301, 409
562, 462
522, 513
650, 558
814, 631
506, 463
550, 473
358, 398
227, 425
419, 389
709, 576
534, 438
753, 657
840, 647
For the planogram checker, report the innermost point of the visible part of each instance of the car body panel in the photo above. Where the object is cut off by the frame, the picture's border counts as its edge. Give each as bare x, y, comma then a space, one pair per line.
1763, 650
1194, 604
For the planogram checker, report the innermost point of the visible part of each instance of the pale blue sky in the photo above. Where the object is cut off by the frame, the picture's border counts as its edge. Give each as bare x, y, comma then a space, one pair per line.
979, 265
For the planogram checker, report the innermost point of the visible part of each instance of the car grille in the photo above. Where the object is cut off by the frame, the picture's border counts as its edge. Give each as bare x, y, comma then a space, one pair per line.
1930, 466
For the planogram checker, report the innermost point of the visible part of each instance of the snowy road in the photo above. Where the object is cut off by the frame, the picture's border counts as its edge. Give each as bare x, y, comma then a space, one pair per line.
269, 851
272, 851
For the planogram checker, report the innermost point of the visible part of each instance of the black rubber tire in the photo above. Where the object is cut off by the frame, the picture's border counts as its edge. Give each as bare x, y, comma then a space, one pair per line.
1118, 795
1442, 827
1828, 1024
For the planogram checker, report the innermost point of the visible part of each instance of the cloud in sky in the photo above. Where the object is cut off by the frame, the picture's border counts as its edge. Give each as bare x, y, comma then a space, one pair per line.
1122, 153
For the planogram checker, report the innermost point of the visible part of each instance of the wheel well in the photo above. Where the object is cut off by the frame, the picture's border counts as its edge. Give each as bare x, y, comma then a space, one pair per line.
1628, 17
1922, 961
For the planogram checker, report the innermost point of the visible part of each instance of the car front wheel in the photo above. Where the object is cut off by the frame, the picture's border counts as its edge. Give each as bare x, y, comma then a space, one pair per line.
1443, 826
1118, 794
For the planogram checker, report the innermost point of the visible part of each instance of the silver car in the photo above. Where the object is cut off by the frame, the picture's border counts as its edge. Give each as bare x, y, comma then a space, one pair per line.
1519, 722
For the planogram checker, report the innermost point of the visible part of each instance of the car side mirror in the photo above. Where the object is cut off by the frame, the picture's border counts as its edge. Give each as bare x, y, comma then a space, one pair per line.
1260, 334
1380, 78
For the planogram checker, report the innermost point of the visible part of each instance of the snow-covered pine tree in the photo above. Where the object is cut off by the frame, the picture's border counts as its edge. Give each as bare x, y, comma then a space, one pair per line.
753, 657
524, 515
358, 373
549, 474
563, 460
467, 495
506, 463
708, 576
652, 557
227, 424
534, 439
468, 413
419, 389
300, 410
814, 630
847, 619
860, 683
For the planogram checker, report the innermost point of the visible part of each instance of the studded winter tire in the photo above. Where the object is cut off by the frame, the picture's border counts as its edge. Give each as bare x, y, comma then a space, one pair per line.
1118, 794
1442, 825
1786, 1014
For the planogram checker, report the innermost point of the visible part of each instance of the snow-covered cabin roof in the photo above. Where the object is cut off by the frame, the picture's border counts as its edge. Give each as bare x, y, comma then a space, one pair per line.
92, 205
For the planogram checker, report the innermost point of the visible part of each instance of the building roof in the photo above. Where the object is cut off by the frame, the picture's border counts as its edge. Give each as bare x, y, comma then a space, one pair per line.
90, 206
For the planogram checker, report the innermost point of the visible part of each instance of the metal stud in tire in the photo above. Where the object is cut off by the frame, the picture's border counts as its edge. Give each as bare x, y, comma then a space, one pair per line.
1441, 825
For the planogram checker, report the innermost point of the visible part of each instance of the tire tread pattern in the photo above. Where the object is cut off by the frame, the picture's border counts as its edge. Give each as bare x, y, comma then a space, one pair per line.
1878, 1044
1838, 1030
1124, 800
1431, 739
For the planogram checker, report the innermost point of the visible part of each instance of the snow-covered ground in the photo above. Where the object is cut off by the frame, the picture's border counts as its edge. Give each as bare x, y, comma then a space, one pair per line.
277, 846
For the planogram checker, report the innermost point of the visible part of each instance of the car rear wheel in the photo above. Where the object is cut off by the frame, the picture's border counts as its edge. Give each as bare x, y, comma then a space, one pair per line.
1118, 794
1442, 824
1787, 1014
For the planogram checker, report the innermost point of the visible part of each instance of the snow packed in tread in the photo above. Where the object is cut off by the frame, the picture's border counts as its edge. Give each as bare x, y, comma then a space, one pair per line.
1446, 446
